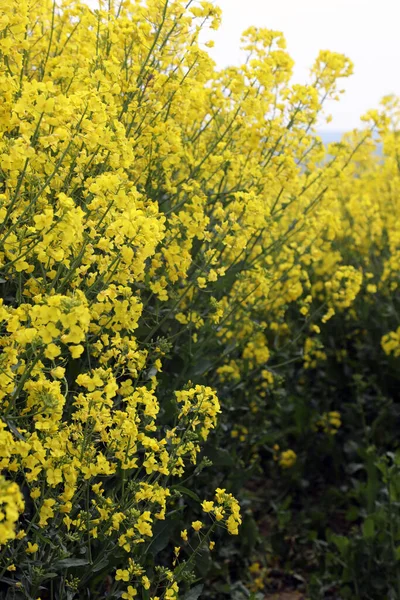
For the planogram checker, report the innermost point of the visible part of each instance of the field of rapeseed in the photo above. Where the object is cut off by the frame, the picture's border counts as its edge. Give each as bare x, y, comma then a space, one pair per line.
200, 330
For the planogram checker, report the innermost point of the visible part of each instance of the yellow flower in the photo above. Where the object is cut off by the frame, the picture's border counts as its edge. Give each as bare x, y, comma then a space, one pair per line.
76, 351
130, 593
287, 459
146, 582
202, 282
219, 513
197, 525
31, 548
172, 591
35, 493
11, 505
232, 525
58, 372
46, 511
52, 351
103, 272
207, 506
144, 524
54, 477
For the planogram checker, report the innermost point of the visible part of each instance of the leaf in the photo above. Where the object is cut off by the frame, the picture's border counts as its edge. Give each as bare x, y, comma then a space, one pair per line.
230, 347
67, 563
162, 533
14, 430
7, 580
151, 372
354, 467
301, 414
368, 528
184, 490
220, 457
341, 542
352, 513
103, 563
12, 594
372, 481
202, 366
248, 533
203, 562
194, 593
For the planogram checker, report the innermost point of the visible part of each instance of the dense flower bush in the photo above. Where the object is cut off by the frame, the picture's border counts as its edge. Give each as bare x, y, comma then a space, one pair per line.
175, 244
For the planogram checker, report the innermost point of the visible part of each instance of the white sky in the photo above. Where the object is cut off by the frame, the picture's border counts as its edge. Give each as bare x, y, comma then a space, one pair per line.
367, 31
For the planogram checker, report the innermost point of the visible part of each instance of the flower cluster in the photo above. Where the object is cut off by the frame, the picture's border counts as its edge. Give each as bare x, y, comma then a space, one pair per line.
329, 422
11, 506
162, 225
286, 459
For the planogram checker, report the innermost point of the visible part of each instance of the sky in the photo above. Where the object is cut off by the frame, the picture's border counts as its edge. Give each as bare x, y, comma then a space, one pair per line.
367, 31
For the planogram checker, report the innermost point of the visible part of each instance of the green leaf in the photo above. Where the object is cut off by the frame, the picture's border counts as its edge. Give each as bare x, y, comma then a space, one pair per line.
230, 347
302, 417
352, 513
368, 528
248, 533
203, 562
162, 533
67, 563
7, 580
202, 366
50, 576
354, 467
220, 457
341, 542
194, 593
103, 563
184, 490
14, 430
372, 481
